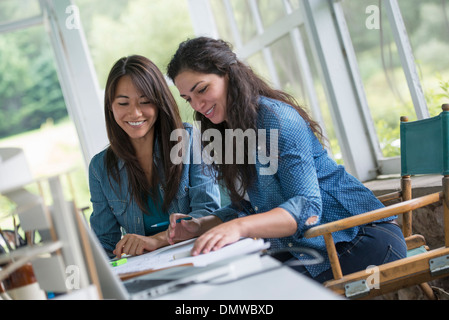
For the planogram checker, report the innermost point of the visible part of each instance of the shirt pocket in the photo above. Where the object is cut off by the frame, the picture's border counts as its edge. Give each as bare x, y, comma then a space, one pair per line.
118, 207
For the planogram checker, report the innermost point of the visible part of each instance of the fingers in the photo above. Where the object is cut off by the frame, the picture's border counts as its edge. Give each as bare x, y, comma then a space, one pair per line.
216, 238
129, 245
180, 231
171, 230
210, 242
174, 217
119, 249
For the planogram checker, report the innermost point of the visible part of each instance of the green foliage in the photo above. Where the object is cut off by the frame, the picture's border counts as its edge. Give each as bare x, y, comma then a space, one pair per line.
30, 93
387, 126
29, 88
149, 28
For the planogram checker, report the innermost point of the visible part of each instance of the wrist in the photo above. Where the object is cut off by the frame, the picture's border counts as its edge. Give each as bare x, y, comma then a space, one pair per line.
206, 223
160, 239
243, 225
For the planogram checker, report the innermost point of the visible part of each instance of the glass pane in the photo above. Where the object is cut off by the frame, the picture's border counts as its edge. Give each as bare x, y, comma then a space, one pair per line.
11, 10
33, 114
117, 28
290, 77
294, 4
331, 142
289, 74
381, 70
270, 11
258, 64
287, 67
244, 19
427, 24
221, 20
385, 84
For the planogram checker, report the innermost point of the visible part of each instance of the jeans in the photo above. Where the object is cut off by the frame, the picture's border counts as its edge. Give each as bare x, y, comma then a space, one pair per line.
375, 244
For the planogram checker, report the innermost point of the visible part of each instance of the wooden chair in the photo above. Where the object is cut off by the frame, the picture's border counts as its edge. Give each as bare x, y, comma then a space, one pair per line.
424, 150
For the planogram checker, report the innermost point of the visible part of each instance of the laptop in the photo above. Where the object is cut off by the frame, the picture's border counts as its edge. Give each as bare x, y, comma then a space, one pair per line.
158, 283
155, 284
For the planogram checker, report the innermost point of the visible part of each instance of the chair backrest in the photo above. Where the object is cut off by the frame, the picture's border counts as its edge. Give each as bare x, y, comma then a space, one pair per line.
425, 145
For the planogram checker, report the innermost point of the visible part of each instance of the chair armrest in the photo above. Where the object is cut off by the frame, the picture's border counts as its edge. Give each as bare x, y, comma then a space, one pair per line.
374, 215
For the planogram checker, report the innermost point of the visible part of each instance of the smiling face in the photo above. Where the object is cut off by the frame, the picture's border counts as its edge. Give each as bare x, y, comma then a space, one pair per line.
206, 93
133, 112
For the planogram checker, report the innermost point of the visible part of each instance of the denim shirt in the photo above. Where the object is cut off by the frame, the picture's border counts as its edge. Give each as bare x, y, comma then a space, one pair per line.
306, 183
114, 208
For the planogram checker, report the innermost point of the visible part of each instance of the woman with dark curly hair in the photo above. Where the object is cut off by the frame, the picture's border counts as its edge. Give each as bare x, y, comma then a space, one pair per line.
306, 187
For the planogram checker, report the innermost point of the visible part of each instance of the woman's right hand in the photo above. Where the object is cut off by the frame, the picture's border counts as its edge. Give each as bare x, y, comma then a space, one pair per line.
185, 229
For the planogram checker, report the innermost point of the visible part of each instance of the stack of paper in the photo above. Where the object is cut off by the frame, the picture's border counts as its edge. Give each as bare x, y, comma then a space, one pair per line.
179, 254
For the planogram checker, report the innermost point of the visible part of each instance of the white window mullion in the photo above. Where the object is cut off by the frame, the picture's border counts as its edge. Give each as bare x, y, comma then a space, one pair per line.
344, 102
407, 58
356, 79
77, 76
265, 50
306, 73
202, 18
233, 24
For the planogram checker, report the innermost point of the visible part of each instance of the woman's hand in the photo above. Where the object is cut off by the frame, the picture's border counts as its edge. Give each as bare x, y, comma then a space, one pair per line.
134, 244
276, 223
185, 229
218, 237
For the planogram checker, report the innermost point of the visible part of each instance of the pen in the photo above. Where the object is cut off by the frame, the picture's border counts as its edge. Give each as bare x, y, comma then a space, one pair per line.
118, 262
166, 223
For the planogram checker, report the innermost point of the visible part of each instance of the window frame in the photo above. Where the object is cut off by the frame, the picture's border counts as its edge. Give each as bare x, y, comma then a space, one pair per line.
335, 59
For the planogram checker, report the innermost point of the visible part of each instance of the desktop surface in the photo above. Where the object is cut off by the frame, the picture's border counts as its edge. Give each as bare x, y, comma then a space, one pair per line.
280, 283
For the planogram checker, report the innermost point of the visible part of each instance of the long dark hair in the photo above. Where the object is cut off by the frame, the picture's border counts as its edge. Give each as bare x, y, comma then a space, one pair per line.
212, 56
149, 81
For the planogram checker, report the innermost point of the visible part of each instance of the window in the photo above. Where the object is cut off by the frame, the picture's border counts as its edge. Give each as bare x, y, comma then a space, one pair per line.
380, 65
349, 62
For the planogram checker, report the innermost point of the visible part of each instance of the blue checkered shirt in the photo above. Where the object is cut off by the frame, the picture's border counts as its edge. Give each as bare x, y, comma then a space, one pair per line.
306, 182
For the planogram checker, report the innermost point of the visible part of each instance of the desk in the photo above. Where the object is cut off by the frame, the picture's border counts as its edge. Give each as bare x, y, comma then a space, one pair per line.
278, 284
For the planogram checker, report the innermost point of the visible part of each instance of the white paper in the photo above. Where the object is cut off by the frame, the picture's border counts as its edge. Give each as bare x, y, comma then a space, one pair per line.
179, 253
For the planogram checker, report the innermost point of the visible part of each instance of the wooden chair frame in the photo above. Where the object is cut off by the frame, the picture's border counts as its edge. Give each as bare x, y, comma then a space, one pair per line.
413, 270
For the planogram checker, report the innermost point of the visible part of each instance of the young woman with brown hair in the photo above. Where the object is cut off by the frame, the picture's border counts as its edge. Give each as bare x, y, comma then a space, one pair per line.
134, 184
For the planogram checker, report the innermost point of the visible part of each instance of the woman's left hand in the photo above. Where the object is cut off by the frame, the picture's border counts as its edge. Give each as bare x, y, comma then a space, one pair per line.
276, 223
218, 237
134, 244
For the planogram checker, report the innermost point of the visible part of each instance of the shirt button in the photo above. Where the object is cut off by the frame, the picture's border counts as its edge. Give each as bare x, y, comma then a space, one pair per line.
256, 208
290, 244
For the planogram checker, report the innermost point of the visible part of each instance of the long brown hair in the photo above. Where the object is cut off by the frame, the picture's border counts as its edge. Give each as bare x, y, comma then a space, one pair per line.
149, 81
212, 56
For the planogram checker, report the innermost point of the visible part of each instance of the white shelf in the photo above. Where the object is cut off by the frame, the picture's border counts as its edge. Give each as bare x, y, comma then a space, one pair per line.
19, 257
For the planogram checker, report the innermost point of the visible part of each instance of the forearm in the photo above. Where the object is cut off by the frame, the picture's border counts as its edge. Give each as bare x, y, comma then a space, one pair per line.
276, 223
